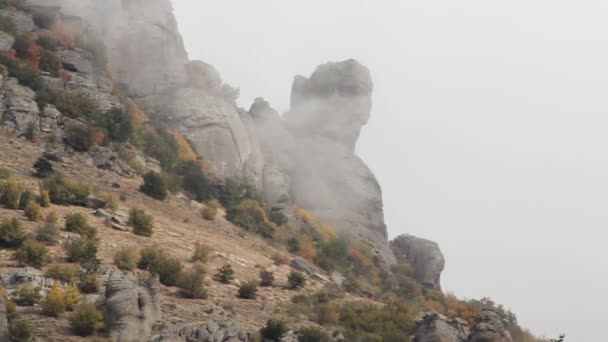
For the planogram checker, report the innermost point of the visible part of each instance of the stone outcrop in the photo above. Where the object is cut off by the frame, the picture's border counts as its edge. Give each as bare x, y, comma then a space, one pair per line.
4, 335
131, 306
489, 328
424, 256
18, 109
224, 330
433, 327
6, 41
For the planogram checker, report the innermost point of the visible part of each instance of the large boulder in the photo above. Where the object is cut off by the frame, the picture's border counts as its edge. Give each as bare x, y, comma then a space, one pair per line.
424, 256
131, 306
433, 327
6, 41
23, 21
489, 328
18, 109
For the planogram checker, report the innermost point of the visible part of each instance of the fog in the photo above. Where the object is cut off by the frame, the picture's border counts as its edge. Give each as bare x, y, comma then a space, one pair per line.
487, 133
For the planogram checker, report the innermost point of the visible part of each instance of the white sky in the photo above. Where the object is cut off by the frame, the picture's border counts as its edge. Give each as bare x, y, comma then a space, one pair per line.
488, 133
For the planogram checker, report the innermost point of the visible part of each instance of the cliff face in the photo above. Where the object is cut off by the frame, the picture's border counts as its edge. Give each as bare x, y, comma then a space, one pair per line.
306, 158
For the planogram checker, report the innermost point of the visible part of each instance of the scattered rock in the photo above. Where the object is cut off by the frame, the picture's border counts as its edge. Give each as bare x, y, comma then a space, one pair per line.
433, 327
6, 41
304, 266
337, 278
131, 306
424, 256
25, 277
95, 203
224, 330
489, 328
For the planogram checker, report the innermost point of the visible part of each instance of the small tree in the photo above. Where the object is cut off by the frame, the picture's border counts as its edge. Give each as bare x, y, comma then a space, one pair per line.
54, 303
11, 190
78, 223
248, 290
20, 331
86, 319
32, 253
33, 212
142, 223
43, 167
155, 185
48, 233
80, 138
25, 198
192, 283
126, 259
67, 273
201, 253
84, 252
225, 274
267, 278
11, 233
273, 330
89, 283
27, 296
296, 279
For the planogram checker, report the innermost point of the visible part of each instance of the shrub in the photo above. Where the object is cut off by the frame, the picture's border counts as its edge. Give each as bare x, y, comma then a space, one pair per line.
195, 181
209, 213
273, 330
26, 74
24, 46
71, 296
112, 201
48, 43
168, 269
294, 246
89, 283
81, 138
54, 303
11, 233
44, 199
234, 191
162, 146
155, 185
43, 167
142, 223
4, 173
32, 253
391, 322
84, 252
33, 212
11, 190
201, 253
250, 215
85, 320
78, 223
119, 125
45, 20
25, 198
296, 279
72, 105
48, 233
126, 259
192, 283
50, 63
11, 307
148, 257
63, 192
20, 331
280, 259
312, 334
267, 278
248, 290
27, 296
66, 273
225, 274
7, 24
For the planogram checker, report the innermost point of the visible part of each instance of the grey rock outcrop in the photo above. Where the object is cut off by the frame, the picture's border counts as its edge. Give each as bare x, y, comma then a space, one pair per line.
18, 108
6, 41
223, 330
23, 21
131, 306
4, 335
433, 327
25, 277
424, 256
489, 328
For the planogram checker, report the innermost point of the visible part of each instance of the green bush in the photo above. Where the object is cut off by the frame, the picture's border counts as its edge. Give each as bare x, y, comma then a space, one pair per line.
33, 212
126, 259
192, 283
209, 213
86, 319
155, 185
26, 74
72, 105
4, 173
63, 192
23, 44
11, 233
312, 334
78, 223
80, 138
66, 273
50, 63
225, 274
267, 278
44, 199
89, 283
148, 257
143, 224
118, 125
162, 146
195, 182
250, 215
20, 331
156, 261
273, 330
201, 253
48, 43
27, 296
84, 252
296, 279
43, 167
25, 198
32, 253
9, 194
48, 233
248, 290
7, 24
391, 322
234, 191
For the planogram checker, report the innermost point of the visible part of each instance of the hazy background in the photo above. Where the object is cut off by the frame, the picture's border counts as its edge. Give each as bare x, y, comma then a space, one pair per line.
488, 133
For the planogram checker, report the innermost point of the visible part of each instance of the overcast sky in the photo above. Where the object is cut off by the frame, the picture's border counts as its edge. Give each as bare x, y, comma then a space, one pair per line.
488, 133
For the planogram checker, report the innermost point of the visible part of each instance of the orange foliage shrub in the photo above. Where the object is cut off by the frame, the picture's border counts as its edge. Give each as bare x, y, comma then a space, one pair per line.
458, 308
319, 230
434, 306
308, 251
185, 151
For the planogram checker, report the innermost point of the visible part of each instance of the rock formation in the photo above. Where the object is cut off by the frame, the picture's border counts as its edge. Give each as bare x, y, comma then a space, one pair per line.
4, 336
433, 327
424, 256
214, 331
131, 306
489, 328
18, 109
